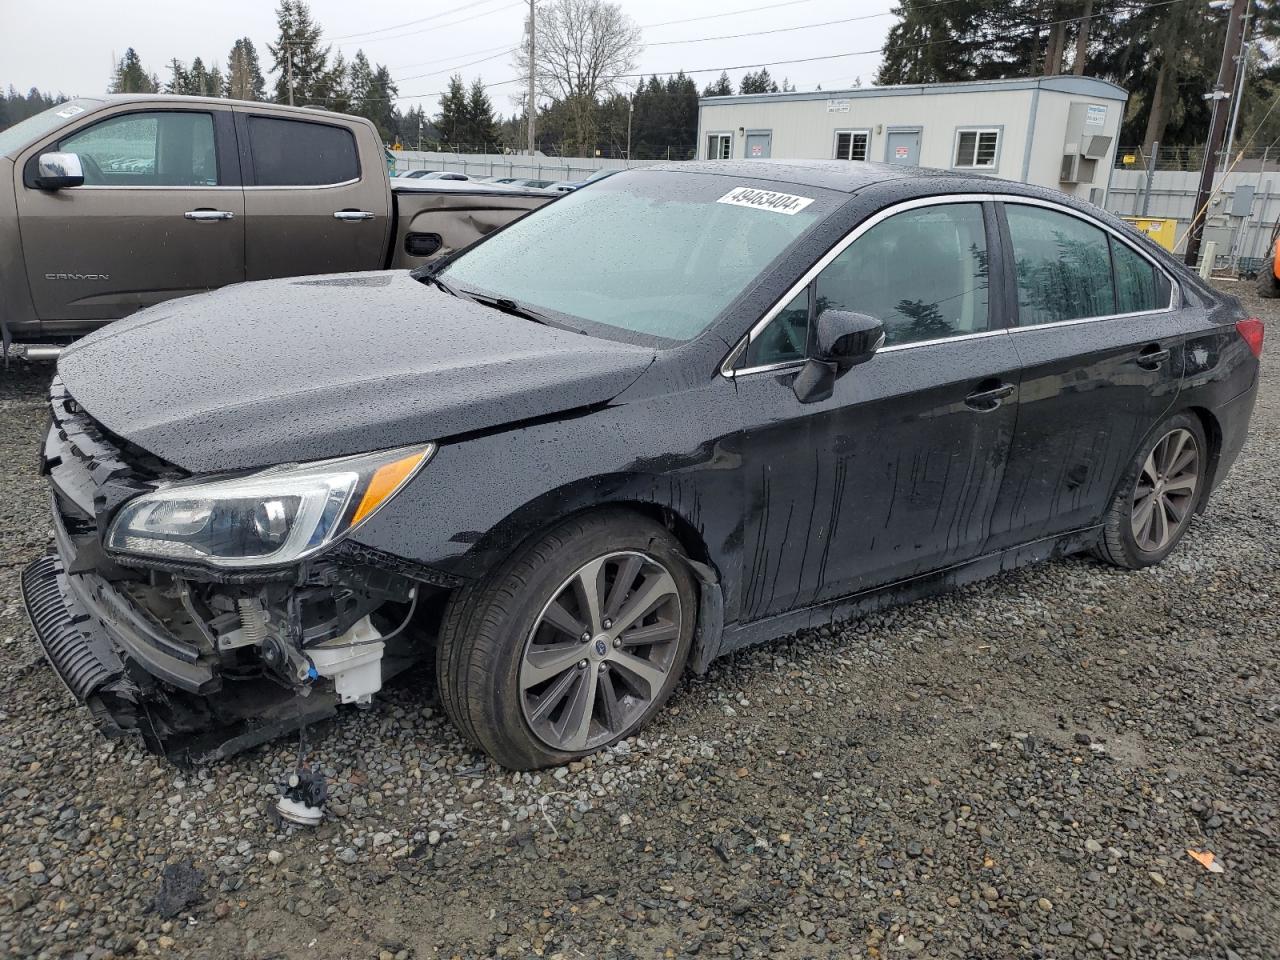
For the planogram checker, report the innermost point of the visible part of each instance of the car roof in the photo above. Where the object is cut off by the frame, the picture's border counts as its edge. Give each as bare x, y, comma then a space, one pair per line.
842, 175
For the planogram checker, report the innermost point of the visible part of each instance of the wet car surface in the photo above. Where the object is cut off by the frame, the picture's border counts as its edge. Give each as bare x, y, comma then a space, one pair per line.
572, 462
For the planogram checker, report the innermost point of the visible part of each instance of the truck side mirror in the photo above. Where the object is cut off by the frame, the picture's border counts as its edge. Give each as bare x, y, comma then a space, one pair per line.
841, 339
58, 170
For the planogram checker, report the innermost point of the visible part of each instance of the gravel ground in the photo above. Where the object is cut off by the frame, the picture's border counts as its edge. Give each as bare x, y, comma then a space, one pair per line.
1014, 770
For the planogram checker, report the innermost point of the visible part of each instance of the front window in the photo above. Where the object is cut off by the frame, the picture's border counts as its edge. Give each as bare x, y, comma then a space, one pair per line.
660, 255
922, 272
149, 149
977, 149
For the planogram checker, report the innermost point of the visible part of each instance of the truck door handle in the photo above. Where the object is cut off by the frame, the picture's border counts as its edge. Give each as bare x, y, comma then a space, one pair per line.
987, 400
1152, 357
352, 215
205, 214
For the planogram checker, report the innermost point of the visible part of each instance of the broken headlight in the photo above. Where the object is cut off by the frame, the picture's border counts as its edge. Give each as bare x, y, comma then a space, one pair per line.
269, 518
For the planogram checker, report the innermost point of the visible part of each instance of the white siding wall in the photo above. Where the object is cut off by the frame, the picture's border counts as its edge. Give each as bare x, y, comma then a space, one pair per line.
1051, 134
805, 129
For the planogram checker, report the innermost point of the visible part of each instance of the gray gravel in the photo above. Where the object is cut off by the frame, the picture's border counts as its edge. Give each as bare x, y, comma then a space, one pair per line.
1014, 770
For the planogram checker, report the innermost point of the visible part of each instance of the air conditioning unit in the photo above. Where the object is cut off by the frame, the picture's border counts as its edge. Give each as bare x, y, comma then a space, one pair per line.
1077, 168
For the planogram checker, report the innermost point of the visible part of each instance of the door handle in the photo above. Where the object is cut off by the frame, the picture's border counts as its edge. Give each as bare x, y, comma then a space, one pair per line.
1152, 357
985, 401
352, 215
204, 215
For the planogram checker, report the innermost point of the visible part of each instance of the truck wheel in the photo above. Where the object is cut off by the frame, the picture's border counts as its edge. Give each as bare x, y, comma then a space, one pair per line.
1157, 497
572, 644
1268, 285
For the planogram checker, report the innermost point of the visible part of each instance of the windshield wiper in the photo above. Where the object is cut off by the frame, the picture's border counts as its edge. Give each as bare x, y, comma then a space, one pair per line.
507, 305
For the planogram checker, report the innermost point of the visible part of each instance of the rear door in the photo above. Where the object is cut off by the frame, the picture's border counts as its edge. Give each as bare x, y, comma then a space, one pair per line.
1101, 348
316, 198
902, 145
160, 214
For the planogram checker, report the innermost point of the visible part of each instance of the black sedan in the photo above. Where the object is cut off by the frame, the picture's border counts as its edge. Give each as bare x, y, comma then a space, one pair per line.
695, 407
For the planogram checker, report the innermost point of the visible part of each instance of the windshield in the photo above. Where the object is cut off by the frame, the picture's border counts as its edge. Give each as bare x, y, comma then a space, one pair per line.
24, 132
660, 254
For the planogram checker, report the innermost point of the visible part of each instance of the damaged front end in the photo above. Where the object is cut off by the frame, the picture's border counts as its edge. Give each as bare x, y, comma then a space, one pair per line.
199, 657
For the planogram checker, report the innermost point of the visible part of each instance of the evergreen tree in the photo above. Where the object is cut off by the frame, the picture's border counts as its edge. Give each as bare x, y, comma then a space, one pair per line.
338, 81
452, 120
381, 105
721, 88
299, 44
758, 82
244, 75
178, 82
482, 128
130, 77
360, 83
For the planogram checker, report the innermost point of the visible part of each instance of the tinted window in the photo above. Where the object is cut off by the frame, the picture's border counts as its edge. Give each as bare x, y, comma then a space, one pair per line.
1139, 285
297, 153
922, 272
784, 339
1063, 266
157, 149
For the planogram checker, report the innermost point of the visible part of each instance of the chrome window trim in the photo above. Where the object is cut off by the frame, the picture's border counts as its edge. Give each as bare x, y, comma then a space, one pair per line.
1175, 290
154, 186
823, 262
303, 186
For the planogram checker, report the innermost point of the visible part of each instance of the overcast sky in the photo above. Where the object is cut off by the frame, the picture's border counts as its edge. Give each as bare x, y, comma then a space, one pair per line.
74, 51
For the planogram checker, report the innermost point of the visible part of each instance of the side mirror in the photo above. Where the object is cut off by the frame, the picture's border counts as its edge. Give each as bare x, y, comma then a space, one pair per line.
846, 338
58, 170
842, 339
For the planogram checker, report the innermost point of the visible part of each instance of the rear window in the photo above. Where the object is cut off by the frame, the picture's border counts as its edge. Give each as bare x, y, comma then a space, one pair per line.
299, 153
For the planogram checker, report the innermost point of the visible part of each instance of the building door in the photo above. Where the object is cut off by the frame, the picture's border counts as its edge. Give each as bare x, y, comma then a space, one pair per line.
903, 146
759, 143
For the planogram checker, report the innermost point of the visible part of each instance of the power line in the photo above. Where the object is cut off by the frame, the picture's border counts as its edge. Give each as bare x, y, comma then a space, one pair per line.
731, 13
442, 26
411, 23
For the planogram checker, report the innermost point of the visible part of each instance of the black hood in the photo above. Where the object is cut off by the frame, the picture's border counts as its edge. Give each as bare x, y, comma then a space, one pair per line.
315, 367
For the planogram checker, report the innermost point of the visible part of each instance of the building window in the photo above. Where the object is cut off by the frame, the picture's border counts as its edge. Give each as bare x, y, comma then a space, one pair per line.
852, 144
720, 146
977, 148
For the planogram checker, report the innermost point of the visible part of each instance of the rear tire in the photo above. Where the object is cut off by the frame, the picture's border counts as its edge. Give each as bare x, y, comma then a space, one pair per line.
1160, 491
527, 670
1268, 286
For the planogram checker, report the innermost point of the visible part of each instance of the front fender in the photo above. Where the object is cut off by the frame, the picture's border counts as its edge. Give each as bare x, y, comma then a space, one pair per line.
482, 496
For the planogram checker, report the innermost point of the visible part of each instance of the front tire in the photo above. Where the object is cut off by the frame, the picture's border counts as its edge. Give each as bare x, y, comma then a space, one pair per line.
1161, 490
572, 644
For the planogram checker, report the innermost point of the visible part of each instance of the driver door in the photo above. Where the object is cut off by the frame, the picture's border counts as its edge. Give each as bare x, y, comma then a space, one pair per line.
897, 472
160, 215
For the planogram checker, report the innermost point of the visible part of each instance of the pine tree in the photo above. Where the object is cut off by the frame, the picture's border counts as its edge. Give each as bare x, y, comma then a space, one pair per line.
130, 77
758, 82
452, 120
299, 44
381, 104
244, 75
721, 88
177, 77
482, 128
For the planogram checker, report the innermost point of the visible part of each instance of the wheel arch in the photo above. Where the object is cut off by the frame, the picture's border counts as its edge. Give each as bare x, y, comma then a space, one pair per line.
1213, 436
652, 497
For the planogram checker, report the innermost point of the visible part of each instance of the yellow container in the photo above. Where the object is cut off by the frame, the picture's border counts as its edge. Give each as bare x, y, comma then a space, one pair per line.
1162, 232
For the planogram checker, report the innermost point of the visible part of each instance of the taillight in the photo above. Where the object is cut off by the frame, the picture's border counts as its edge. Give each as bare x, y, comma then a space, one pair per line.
1251, 331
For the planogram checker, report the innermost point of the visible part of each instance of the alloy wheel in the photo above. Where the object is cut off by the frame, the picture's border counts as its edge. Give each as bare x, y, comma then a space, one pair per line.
1165, 492
600, 651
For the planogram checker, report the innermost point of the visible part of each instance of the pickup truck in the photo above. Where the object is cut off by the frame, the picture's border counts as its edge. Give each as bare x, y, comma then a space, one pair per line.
120, 202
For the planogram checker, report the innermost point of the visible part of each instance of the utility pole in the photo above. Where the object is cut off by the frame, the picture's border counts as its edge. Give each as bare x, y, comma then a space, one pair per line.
288, 67
1242, 68
532, 108
631, 108
1231, 49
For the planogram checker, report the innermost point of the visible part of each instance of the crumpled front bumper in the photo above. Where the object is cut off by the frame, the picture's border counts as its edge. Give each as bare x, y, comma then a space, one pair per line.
109, 660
